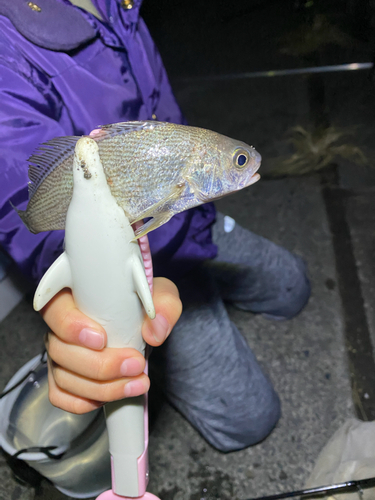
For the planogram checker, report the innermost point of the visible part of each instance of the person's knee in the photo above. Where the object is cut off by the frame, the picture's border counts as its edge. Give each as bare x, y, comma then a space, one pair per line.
287, 294
295, 291
243, 432
235, 427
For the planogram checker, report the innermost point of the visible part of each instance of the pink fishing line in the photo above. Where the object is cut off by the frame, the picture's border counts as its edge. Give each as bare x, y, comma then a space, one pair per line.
144, 245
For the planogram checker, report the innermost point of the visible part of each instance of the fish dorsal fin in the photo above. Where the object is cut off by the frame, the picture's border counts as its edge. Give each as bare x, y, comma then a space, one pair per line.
51, 154
127, 127
47, 157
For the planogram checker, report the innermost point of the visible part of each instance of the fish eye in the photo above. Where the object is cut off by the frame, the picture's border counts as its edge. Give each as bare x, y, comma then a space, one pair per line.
240, 158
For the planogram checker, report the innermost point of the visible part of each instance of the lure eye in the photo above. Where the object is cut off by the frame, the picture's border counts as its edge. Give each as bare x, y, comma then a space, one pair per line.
241, 158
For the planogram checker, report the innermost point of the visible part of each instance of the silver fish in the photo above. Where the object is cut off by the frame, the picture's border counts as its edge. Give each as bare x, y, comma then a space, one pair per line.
154, 169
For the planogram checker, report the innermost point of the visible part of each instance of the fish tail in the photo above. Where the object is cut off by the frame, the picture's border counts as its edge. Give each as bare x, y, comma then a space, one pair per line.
47, 157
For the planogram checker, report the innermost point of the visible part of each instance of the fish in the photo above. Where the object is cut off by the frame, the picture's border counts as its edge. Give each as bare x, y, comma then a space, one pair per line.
153, 169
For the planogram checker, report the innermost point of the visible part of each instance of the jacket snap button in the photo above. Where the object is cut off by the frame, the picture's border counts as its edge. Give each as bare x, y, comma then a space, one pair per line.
34, 6
127, 4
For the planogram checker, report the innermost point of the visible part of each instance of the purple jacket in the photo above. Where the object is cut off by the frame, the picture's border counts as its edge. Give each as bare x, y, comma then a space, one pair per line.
63, 72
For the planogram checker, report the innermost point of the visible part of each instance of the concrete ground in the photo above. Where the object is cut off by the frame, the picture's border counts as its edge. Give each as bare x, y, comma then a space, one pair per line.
306, 358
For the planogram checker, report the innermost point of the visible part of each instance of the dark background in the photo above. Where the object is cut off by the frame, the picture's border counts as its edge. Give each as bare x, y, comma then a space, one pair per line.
321, 362
213, 37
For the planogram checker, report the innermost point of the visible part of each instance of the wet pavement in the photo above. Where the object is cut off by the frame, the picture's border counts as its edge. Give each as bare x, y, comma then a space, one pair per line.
306, 358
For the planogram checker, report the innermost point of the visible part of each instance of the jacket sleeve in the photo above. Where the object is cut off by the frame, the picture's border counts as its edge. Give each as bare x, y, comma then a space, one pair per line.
28, 116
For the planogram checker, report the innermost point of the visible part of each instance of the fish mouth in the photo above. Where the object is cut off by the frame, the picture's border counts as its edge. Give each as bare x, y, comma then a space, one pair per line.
249, 181
144, 246
254, 178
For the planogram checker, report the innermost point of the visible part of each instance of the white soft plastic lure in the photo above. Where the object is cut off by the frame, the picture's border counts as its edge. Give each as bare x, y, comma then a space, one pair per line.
102, 264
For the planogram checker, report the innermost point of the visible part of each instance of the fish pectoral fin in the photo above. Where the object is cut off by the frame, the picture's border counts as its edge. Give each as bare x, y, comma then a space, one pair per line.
57, 277
174, 194
203, 198
199, 195
152, 224
158, 219
196, 188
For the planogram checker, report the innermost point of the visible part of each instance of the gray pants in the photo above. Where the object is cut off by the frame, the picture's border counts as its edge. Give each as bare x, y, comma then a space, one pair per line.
209, 372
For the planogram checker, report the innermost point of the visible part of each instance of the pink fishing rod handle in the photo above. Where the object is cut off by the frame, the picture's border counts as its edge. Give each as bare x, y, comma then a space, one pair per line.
110, 495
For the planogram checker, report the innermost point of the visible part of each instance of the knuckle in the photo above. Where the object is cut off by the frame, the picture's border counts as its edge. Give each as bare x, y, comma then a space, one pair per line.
104, 393
167, 286
51, 346
102, 367
78, 407
58, 376
174, 304
46, 339
54, 398
174, 290
68, 321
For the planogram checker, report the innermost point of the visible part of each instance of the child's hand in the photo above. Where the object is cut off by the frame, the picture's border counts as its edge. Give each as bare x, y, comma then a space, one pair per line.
83, 374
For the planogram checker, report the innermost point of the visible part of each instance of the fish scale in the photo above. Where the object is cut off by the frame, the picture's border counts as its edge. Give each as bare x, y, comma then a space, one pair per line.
154, 170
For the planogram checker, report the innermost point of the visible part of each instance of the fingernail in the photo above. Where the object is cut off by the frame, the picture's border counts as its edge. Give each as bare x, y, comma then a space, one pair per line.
134, 388
91, 338
160, 328
131, 366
